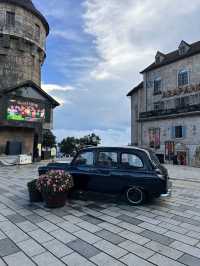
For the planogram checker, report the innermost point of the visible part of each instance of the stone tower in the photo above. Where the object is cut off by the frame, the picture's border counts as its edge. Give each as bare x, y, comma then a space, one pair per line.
23, 32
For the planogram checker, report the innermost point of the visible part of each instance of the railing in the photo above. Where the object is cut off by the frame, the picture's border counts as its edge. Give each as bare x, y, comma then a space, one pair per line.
176, 111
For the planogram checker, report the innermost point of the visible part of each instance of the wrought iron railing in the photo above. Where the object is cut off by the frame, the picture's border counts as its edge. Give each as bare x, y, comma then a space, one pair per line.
168, 112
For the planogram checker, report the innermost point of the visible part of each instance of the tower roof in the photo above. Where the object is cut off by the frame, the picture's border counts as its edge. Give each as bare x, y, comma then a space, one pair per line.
28, 5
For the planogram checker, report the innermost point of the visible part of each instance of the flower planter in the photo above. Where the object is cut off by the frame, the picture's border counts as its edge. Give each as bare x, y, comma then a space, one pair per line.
34, 194
55, 186
56, 200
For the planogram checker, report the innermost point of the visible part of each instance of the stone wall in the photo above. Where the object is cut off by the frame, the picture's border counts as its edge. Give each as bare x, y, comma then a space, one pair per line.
26, 136
137, 103
168, 75
21, 51
191, 140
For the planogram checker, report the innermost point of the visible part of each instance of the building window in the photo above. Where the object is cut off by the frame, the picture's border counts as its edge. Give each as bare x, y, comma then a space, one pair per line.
182, 50
194, 130
157, 86
183, 78
37, 32
10, 19
178, 132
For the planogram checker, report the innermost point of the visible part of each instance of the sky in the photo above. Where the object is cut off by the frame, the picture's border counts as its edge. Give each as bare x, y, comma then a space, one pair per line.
95, 52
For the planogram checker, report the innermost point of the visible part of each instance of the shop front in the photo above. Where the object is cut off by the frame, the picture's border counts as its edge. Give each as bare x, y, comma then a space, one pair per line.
25, 112
182, 153
176, 153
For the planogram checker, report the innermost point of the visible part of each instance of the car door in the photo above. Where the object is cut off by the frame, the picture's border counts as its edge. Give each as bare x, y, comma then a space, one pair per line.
134, 169
83, 169
106, 167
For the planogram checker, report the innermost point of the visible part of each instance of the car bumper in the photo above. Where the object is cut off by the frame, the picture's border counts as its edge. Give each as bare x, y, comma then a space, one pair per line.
169, 191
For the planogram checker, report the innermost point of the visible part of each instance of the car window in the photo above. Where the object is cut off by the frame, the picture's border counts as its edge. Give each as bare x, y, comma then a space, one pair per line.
107, 159
85, 158
154, 158
131, 160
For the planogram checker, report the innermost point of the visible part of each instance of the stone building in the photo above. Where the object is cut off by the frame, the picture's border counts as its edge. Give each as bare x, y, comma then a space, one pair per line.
25, 109
165, 106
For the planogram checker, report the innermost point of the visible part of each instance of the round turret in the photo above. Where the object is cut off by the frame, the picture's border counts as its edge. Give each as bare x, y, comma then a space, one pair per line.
23, 32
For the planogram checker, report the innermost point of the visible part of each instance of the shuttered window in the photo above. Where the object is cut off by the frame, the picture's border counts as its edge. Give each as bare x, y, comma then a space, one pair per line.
178, 132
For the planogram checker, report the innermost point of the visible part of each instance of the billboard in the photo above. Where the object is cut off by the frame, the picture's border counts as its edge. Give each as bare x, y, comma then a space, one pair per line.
20, 110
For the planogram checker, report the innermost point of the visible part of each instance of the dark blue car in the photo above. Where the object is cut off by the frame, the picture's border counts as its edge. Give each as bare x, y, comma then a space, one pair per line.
130, 171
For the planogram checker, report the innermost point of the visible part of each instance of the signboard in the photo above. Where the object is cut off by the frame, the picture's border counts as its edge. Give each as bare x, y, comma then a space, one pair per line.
181, 90
20, 110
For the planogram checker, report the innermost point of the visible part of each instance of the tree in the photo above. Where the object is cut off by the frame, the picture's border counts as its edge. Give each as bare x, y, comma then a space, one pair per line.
90, 140
49, 140
70, 145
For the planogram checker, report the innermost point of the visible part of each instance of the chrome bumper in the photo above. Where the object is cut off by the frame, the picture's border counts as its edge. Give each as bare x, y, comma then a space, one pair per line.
169, 192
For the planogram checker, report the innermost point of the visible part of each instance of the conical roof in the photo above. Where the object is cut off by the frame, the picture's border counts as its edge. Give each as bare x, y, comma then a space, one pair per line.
27, 4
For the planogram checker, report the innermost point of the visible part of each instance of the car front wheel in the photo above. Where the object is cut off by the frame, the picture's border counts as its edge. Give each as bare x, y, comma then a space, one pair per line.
135, 196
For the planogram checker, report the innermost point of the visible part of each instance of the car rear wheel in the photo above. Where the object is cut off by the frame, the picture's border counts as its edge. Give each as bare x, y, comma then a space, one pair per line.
135, 195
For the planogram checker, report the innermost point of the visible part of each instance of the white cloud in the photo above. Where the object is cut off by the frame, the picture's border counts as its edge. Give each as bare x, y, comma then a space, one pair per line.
55, 87
125, 35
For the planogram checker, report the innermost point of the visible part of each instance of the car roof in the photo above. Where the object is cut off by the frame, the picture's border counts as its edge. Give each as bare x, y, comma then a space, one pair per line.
116, 148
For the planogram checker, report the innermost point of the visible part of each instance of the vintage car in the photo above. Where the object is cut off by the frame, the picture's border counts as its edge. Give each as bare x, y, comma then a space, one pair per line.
133, 172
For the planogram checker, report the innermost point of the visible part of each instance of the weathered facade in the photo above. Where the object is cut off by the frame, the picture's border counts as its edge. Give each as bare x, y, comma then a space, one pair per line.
165, 109
25, 109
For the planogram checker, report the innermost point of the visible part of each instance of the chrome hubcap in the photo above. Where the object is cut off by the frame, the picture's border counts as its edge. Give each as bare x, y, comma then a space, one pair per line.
134, 195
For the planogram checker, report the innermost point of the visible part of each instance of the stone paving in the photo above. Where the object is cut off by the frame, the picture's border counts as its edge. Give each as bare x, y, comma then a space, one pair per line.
165, 232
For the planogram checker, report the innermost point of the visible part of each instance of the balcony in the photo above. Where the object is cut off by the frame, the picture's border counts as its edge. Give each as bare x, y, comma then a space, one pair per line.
177, 112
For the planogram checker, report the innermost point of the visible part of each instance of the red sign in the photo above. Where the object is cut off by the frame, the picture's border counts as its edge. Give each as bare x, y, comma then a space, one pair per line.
181, 90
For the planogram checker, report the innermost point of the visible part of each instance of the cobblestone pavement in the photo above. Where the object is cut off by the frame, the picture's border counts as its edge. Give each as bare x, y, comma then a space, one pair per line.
165, 232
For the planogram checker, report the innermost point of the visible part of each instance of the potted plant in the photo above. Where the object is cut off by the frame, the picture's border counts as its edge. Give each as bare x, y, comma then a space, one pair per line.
54, 186
34, 193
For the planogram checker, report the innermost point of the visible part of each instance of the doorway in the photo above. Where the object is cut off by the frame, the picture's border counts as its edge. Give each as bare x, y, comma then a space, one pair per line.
182, 158
35, 148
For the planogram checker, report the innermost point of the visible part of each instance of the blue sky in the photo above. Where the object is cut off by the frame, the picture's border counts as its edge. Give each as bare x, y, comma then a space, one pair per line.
95, 52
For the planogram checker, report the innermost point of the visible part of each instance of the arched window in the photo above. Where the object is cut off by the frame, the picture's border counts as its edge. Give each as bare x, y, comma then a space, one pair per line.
183, 78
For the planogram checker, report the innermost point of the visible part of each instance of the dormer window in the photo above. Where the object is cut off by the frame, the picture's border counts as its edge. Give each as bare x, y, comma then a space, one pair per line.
10, 19
183, 48
159, 57
183, 78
